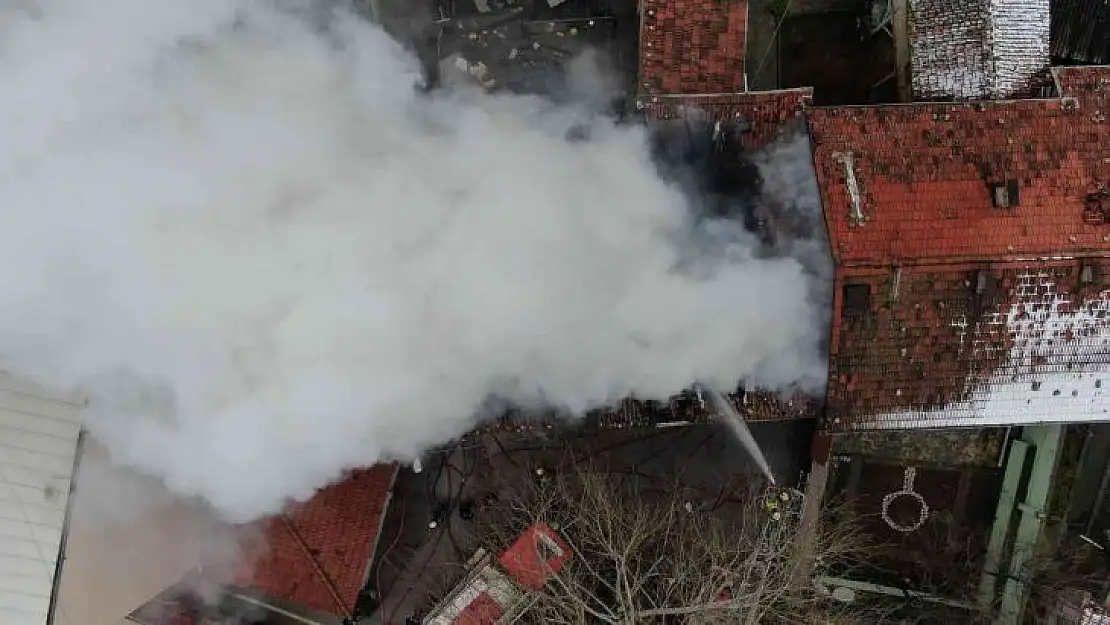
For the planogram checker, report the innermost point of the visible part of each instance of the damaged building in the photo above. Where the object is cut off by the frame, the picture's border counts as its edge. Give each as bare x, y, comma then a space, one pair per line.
523, 46
968, 258
305, 566
970, 297
969, 307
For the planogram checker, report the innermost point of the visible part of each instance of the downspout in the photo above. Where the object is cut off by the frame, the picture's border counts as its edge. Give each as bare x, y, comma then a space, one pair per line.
60, 562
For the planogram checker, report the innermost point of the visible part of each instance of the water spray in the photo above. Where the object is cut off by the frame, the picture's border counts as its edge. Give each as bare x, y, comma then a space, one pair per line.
739, 427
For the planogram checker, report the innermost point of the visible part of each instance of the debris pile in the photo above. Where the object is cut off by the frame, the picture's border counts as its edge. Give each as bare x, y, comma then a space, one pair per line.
516, 45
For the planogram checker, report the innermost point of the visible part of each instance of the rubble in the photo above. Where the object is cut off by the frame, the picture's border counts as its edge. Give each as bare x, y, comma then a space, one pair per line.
507, 46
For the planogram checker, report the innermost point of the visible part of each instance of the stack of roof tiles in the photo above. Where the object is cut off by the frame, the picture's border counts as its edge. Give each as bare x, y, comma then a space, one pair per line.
693, 46
951, 310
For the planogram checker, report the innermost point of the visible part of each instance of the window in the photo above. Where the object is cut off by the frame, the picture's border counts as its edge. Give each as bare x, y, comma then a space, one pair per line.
1005, 195
1087, 274
987, 284
857, 299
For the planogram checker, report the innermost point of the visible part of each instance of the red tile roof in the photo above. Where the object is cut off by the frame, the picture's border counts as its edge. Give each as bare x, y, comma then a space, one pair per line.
768, 111
316, 556
693, 46
923, 174
931, 350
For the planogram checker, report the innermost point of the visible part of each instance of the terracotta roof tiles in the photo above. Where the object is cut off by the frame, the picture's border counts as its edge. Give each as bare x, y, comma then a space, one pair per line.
939, 345
693, 46
905, 183
951, 311
322, 545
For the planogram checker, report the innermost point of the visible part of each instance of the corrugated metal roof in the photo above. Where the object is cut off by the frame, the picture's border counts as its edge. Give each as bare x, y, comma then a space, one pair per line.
39, 434
1081, 30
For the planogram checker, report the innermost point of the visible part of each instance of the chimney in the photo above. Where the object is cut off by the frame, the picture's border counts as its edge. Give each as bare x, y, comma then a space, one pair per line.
978, 49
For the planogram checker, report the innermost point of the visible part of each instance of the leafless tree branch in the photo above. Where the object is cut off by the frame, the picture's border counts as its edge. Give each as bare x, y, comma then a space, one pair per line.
646, 554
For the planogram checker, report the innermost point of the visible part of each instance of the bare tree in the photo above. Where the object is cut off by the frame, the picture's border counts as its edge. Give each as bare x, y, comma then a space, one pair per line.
1063, 575
647, 554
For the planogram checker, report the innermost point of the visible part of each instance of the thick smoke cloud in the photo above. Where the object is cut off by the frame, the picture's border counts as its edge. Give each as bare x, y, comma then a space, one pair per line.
266, 257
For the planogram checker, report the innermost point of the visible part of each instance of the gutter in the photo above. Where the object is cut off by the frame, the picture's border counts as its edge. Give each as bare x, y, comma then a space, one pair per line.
386, 505
60, 562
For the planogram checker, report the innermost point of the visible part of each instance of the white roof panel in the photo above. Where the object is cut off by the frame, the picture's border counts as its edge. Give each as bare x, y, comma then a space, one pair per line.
39, 434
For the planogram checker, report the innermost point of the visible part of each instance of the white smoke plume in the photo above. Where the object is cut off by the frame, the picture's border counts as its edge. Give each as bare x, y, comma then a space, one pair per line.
265, 257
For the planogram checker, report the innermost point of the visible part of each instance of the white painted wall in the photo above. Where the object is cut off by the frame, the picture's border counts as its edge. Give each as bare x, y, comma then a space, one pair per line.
128, 538
39, 434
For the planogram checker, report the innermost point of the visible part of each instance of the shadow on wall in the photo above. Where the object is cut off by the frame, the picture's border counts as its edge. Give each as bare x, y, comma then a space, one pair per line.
129, 539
